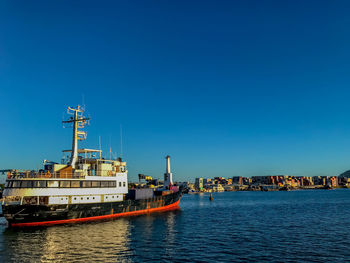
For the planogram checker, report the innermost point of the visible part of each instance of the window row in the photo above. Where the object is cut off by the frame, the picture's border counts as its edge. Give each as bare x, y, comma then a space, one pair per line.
62, 184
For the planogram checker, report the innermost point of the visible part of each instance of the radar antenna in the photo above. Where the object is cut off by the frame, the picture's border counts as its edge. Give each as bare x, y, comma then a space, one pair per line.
79, 122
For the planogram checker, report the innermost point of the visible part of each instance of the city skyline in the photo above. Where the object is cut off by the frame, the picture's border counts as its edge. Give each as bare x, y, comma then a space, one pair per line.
226, 89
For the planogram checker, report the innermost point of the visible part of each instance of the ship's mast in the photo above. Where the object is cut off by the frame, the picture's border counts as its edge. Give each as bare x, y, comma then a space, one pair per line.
79, 122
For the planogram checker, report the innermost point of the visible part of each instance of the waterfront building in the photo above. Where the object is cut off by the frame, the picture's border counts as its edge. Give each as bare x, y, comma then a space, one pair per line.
247, 180
237, 180
260, 179
334, 181
343, 181
218, 188
292, 181
322, 180
306, 181
206, 181
199, 184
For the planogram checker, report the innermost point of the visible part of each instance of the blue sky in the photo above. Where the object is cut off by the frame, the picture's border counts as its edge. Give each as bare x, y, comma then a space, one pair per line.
225, 87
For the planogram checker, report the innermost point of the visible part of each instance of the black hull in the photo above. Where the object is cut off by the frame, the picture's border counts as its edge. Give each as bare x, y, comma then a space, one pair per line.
34, 215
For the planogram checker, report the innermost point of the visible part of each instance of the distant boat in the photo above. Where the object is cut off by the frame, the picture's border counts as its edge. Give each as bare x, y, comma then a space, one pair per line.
211, 198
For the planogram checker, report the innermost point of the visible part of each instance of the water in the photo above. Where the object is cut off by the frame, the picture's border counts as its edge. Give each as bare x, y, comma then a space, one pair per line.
297, 226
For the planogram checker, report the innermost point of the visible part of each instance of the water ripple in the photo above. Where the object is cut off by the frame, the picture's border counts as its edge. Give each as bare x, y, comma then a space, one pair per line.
300, 226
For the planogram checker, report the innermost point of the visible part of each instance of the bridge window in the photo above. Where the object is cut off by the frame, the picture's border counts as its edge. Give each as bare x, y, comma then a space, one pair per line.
30, 200
75, 184
61, 184
95, 184
64, 184
39, 184
43, 200
86, 183
52, 183
27, 184
112, 184
8, 184
16, 184
104, 183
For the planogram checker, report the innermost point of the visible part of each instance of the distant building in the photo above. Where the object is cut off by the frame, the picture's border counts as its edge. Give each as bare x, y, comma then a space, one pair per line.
260, 179
247, 181
217, 188
206, 181
306, 181
343, 180
322, 180
199, 184
237, 180
334, 181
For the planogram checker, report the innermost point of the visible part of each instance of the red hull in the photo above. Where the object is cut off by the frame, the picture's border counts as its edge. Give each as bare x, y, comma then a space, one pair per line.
173, 206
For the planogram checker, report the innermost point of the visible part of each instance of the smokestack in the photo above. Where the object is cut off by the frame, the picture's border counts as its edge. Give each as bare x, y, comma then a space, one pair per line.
167, 164
168, 176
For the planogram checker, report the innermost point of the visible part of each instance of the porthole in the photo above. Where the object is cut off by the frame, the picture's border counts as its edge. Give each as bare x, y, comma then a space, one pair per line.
88, 198
93, 198
81, 198
75, 198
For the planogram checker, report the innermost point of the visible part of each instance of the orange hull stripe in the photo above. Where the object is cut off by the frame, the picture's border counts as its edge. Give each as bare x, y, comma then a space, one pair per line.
95, 218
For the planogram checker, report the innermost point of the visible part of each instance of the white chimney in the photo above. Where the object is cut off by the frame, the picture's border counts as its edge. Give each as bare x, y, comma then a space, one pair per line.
168, 176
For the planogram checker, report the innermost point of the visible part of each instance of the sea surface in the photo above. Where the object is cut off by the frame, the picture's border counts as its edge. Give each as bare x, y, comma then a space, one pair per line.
296, 226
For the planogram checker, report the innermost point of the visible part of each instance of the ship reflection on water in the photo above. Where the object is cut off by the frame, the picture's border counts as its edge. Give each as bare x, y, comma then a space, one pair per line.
111, 241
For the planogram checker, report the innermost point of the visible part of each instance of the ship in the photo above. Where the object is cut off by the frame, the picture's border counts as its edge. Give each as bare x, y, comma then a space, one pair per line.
83, 187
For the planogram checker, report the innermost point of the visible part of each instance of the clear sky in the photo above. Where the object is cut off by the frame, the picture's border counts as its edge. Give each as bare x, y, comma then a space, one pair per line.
226, 88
